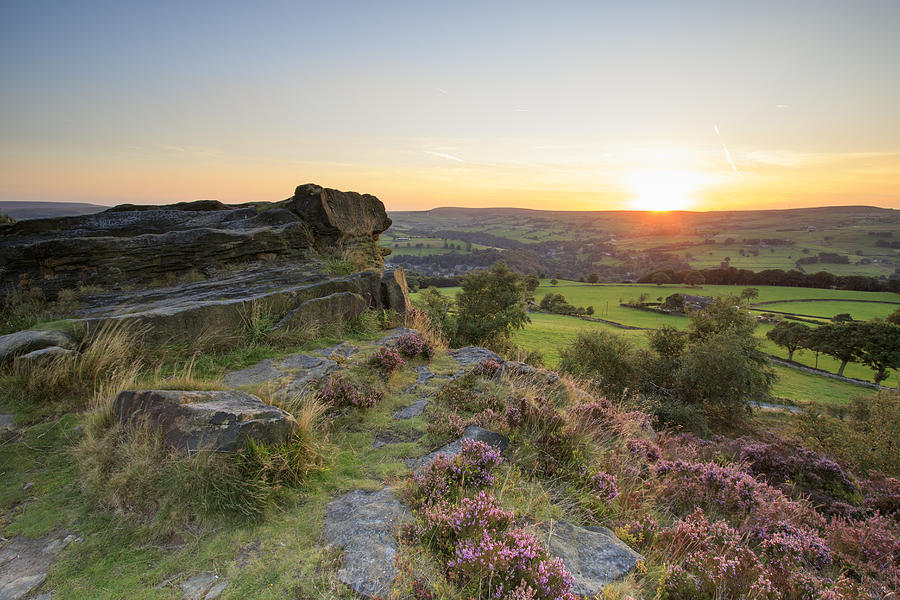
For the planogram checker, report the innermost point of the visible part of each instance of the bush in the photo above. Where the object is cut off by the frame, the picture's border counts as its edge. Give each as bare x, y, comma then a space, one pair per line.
340, 392
491, 305
412, 345
444, 476
609, 359
386, 361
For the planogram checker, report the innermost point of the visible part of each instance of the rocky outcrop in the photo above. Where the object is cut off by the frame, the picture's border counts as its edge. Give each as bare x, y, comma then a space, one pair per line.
24, 342
293, 373
363, 524
138, 245
221, 421
472, 355
593, 555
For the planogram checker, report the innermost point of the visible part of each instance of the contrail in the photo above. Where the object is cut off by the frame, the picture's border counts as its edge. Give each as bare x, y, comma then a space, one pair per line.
728, 154
447, 156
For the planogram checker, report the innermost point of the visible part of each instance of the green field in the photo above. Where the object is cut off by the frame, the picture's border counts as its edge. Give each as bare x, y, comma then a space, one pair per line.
548, 333
860, 311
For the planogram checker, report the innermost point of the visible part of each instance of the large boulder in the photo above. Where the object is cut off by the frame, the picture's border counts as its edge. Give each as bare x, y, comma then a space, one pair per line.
363, 524
24, 342
593, 555
340, 306
347, 220
221, 421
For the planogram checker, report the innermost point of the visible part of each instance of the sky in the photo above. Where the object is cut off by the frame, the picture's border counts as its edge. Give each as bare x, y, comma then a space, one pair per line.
551, 105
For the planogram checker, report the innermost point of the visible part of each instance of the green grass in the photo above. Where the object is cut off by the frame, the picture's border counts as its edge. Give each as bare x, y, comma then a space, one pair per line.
860, 311
549, 333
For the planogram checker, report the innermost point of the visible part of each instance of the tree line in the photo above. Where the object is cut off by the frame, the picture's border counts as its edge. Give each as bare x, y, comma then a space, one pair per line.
875, 344
790, 278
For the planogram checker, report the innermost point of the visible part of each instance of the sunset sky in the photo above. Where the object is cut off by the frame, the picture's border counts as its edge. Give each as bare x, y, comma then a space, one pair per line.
555, 105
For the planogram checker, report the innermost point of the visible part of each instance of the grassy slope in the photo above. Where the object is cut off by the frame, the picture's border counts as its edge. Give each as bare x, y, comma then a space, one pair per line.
549, 333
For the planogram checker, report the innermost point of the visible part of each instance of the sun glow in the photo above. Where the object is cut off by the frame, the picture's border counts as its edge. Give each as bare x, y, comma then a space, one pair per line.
662, 190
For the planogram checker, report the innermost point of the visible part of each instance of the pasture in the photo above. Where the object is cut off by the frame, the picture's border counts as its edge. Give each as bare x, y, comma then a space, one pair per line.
548, 333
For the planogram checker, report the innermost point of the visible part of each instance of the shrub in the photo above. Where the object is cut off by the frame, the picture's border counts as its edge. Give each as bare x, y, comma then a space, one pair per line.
609, 359
340, 392
471, 467
487, 368
386, 361
513, 562
445, 524
412, 345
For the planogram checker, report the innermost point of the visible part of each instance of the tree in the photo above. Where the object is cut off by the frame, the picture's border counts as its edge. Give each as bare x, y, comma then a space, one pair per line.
789, 335
694, 278
661, 277
839, 340
610, 359
894, 317
593, 278
554, 281
721, 316
491, 304
437, 308
749, 294
878, 347
532, 282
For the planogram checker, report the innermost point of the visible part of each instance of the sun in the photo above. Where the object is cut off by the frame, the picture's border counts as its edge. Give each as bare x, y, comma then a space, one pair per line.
662, 190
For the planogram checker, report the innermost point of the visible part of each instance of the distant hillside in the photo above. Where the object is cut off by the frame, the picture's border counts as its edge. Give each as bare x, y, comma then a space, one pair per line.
20, 210
622, 245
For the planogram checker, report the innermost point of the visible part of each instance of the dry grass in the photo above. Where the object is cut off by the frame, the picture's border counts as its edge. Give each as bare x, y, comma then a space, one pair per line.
418, 320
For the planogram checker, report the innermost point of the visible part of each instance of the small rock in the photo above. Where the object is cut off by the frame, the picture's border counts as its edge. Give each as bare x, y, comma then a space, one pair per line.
7, 421
363, 524
393, 335
204, 586
27, 486
24, 342
304, 369
472, 355
344, 349
593, 555
24, 563
383, 438
43, 356
259, 373
411, 411
221, 421
472, 432
525, 370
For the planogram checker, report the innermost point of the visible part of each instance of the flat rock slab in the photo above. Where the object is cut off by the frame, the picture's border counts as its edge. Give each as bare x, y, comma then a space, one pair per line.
344, 349
222, 421
24, 563
7, 422
521, 369
43, 356
593, 555
204, 586
411, 411
472, 355
383, 438
23, 342
297, 371
472, 432
364, 525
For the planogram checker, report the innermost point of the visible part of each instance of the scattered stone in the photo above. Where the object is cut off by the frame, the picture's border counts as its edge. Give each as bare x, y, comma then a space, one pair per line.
27, 486
383, 438
259, 373
204, 586
222, 421
344, 349
24, 342
412, 411
247, 553
472, 355
391, 337
593, 555
24, 563
521, 369
363, 524
472, 432
43, 356
423, 376
7, 422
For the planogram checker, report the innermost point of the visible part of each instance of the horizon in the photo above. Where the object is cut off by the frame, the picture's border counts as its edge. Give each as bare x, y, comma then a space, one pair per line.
584, 107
